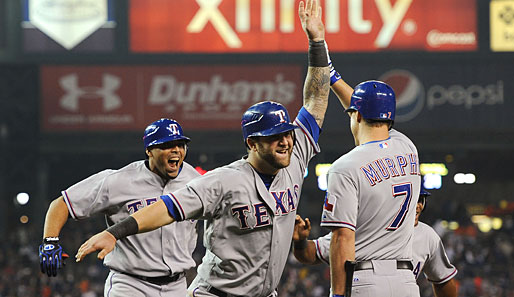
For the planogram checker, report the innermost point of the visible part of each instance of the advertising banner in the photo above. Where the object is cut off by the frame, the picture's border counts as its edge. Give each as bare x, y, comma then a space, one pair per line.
110, 98
440, 96
221, 26
502, 25
62, 25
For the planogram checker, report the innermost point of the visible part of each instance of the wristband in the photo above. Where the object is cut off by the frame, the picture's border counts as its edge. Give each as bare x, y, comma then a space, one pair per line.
124, 228
334, 75
52, 240
336, 295
318, 54
300, 244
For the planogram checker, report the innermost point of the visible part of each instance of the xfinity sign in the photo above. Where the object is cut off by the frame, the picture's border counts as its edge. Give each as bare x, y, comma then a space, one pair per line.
273, 25
208, 12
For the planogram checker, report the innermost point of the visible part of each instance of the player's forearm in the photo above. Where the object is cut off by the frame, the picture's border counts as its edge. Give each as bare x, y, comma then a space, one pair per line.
343, 92
307, 254
56, 217
448, 289
342, 249
315, 92
153, 217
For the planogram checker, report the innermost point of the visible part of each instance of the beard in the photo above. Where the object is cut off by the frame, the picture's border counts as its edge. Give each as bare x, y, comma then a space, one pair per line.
275, 162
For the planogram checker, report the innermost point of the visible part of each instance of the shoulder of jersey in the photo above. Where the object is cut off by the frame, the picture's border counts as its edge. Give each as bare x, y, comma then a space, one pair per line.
236, 169
189, 169
134, 166
348, 161
397, 134
425, 229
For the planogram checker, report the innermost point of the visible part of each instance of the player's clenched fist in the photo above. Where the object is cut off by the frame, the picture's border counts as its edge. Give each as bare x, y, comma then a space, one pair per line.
103, 242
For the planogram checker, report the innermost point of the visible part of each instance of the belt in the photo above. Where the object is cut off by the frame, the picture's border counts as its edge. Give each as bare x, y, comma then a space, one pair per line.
219, 293
365, 265
157, 280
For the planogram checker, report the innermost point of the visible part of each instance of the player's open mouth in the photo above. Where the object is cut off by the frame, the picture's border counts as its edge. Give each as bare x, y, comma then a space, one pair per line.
173, 162
282, 152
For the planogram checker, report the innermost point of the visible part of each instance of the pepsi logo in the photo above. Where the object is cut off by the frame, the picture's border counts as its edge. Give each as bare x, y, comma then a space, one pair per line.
409, 91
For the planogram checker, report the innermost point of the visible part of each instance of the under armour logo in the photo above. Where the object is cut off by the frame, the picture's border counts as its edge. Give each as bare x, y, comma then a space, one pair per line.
70, 100
281, 114
173, 128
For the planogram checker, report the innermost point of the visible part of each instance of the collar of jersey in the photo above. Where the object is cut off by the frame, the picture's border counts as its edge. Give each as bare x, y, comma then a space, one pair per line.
374, 141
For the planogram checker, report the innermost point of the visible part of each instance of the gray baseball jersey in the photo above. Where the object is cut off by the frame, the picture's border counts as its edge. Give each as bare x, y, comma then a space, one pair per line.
429, 256
370, 191
248, 228
119, 193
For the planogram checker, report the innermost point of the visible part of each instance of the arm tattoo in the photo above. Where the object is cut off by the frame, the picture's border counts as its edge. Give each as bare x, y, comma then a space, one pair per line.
315, 92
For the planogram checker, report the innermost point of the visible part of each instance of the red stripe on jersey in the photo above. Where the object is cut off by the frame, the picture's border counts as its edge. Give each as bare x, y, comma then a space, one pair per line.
67, 201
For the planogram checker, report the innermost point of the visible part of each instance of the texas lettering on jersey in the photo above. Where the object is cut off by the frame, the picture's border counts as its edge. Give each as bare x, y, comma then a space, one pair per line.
137, 205
285, 202
386, 168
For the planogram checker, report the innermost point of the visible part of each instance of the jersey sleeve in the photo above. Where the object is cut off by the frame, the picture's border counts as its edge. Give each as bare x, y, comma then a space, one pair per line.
341, 202
323, 247
89, 196
306, 135
197, 200
438, 268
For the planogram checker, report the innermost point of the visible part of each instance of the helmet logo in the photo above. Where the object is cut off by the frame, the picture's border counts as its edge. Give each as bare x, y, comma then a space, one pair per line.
173, 128
281, 114
385, 115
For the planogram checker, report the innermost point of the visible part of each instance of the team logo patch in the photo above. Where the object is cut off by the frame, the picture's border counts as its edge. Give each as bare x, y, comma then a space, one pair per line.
329, 203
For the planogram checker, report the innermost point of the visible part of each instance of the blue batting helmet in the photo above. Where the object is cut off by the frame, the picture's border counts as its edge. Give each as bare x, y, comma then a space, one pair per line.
265, 119
162, 131
374, 99
423, 194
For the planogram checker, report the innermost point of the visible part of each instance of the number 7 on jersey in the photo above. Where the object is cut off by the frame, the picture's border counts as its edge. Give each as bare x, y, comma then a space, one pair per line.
401, 190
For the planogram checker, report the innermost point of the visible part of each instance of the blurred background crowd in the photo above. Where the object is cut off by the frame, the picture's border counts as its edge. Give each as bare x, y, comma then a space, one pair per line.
485, 262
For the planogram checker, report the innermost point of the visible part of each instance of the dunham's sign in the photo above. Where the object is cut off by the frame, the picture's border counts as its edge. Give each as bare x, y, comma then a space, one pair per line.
128, 98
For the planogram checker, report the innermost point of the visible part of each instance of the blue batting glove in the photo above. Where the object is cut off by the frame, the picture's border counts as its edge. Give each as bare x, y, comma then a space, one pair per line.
51, 256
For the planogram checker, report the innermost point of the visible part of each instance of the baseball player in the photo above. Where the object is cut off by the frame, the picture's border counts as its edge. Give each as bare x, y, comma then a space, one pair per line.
368, 201
429, 256
249, 205
428, 251
150, 264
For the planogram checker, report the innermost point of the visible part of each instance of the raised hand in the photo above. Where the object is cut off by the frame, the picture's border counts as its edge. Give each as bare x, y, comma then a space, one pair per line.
310, 17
